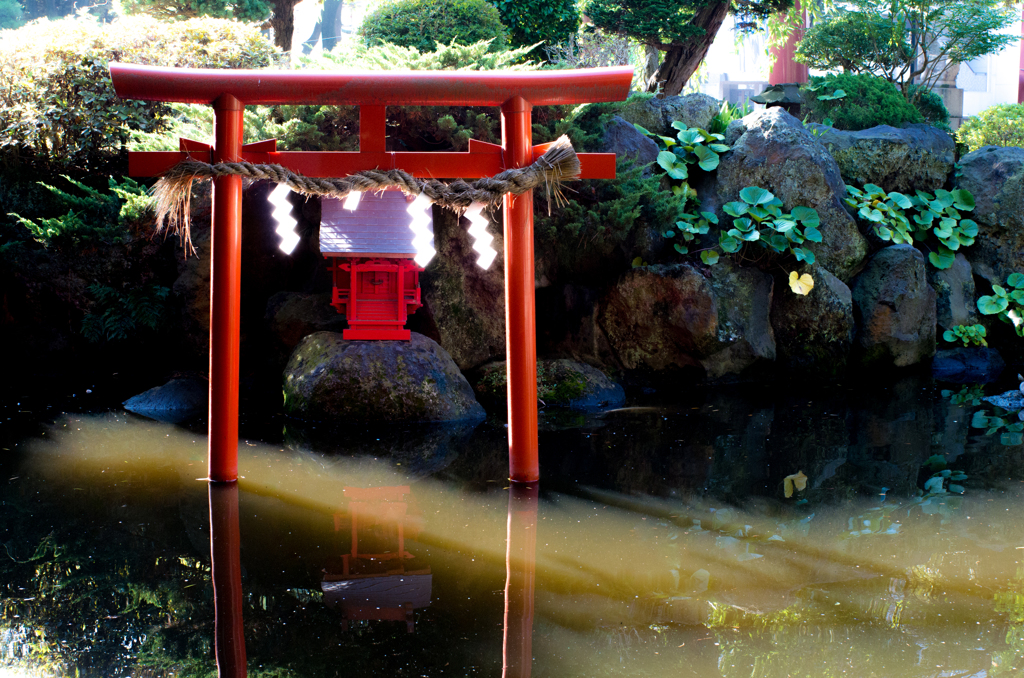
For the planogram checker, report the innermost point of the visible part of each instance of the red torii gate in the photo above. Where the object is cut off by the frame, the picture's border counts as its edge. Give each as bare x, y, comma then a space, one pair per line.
229, 91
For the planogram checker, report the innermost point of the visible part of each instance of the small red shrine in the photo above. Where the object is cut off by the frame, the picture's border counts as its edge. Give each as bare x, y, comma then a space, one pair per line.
374, 245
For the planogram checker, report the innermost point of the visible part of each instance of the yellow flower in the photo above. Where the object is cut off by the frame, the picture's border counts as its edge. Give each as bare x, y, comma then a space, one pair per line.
801, 284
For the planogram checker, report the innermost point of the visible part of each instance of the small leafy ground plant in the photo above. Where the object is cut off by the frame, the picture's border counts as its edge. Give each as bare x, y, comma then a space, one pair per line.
691, 146
757, 218
1007, 304
970, 335
938, 215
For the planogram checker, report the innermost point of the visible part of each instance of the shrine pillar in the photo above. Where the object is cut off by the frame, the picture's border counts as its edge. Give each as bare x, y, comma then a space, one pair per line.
225, 292
520, 306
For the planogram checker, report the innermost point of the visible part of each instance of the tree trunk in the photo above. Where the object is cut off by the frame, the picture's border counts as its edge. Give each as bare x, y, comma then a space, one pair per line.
682, 60
331, 19
282, 21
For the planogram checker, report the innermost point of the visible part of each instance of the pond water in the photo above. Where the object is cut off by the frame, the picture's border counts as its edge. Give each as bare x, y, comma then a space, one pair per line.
659, 542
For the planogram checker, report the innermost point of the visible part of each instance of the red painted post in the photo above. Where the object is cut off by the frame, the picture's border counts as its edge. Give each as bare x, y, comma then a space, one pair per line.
225, 293
226, 573
786, 69
520, 313
520, 570
1020, 74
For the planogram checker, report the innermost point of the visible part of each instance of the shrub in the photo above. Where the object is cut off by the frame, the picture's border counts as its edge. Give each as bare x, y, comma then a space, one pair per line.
57, 104
1000, 125
552, 22
869, 101
930, 106
10, 14
425, 23
242, 10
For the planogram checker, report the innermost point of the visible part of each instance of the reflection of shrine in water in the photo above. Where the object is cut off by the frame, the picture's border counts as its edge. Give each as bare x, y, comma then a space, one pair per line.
381, 581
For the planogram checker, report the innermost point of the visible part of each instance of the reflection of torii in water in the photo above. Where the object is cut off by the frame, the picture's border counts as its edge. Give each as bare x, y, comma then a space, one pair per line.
377, 586
520, 564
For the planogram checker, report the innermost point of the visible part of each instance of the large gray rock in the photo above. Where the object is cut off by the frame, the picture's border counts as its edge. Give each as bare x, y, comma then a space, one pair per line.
894, 307
623, 139
176, 401
776, 152
744, 335
657, 115
330, 379
907, 159
291, 316
660, 318
465, 303
995, 177
955, 302
560, 383
814, 332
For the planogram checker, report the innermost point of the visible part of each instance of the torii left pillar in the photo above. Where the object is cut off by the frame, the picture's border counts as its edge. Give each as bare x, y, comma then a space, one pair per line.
225, 292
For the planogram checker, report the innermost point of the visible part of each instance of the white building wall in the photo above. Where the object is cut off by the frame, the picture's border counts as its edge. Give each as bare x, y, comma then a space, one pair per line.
1001, 78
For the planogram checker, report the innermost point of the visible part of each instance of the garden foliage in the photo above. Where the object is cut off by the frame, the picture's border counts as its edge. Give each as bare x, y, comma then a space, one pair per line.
239, 10
92, 216
967, 334
58, 108
869, 101
551, 22
1006, 304
424, 24
999, 125
937, 215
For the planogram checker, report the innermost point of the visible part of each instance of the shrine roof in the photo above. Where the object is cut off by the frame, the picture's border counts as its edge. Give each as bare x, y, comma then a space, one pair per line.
379, 225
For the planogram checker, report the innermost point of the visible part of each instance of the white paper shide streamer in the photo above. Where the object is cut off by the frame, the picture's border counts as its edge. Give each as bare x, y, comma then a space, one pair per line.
481, 238
282, 213
421, 226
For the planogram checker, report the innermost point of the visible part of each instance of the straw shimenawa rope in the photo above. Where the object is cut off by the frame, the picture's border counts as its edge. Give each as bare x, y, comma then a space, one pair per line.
558, 164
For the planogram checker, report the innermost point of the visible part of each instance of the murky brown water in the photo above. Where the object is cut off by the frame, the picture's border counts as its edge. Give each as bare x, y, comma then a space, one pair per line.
662, 544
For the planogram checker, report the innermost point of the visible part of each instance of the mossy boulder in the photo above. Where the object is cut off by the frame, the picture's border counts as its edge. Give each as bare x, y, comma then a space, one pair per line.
330, 379
814, 332
660, 318
776, 152
560, 383
955, 298
744, 336
995, 177
894, 307
897, 159
657, 115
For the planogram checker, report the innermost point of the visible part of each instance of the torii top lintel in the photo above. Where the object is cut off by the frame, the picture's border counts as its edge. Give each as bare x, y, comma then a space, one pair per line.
372, 92
359, 88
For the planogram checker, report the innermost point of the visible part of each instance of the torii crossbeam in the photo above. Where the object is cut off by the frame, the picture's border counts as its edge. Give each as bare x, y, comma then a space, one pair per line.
229, 91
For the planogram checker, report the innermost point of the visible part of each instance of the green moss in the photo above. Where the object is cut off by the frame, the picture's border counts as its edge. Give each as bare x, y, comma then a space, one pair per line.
557, 382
